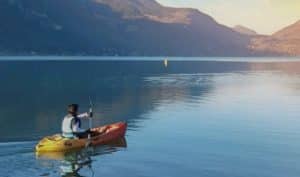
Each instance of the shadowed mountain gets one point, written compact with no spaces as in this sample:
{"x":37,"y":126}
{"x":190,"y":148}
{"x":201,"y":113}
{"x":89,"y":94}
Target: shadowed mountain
{"x":283,"y":42}
{"x":113,"y":27}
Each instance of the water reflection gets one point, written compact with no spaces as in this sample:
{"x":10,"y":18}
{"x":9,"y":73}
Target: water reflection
{"x":71,"y":163}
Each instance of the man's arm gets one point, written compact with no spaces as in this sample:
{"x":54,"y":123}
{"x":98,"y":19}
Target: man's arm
{"x":83,"y":115}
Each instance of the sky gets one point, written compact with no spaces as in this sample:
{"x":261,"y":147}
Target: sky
{"x":263,"y":16}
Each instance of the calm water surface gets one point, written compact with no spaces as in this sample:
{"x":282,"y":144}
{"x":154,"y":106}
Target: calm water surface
{"x":192,"y":118}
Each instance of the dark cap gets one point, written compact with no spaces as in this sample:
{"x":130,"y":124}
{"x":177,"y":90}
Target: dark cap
{"x":73,"y":108}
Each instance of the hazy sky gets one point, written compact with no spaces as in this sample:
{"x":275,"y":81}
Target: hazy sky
{"x":263,"y":16}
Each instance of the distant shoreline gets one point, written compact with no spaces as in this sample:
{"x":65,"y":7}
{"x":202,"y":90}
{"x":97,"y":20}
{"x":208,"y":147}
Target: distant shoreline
{"x":142,"y":58}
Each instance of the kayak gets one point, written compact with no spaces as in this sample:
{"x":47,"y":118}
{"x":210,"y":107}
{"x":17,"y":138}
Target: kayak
{"x":101,"y":136}
{"x":109,"y":147}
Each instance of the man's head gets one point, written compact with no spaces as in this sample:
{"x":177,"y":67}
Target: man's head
{"x":72,"y":109}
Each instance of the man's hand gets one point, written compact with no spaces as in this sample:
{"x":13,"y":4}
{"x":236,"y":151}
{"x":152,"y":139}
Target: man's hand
{"x":91,"y":114}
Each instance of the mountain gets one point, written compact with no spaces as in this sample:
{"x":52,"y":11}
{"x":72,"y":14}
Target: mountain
{"x":290,"y":32}
{"x":244,"y":30}
{"x":113,"y":27}
{"x":284,"y":42}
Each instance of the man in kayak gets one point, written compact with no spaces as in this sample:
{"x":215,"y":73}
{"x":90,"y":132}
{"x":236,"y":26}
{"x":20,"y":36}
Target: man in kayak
{"x":71,"y":125}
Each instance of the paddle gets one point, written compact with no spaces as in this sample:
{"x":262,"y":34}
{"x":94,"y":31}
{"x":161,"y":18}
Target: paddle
{"x":90,"y":121}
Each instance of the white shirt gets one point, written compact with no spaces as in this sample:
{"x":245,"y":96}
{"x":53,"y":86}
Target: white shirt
{"x":69,"y":127}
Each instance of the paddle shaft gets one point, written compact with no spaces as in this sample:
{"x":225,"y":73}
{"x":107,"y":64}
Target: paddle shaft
{"x":90,"y":119}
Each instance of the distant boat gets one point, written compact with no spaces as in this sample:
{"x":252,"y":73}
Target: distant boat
{"x":166,"y":62}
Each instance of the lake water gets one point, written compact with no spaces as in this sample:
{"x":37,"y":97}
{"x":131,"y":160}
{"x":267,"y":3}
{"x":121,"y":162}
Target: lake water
{"x":213,"y":118}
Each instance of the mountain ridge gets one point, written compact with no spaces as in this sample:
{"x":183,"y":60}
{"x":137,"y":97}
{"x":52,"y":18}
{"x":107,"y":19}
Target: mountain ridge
{"x":117,"y":27}
{"x":291,"y":31}
{"x":244,"y":30}
{"x":285,"y":42}
{"x":100,"y":27}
